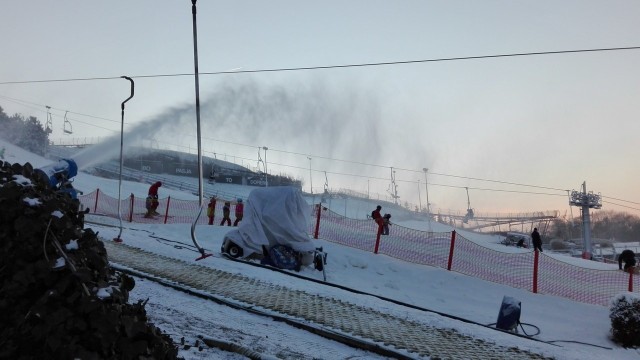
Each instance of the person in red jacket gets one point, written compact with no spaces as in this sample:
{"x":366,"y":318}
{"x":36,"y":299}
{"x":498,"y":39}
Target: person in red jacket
{"x":377,"y":217}
{"x":239,"y":212}
{"x":152,"y":200}
{"x":211,"y":210}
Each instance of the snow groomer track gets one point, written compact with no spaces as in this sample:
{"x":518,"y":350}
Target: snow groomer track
{"x":390,"y":336}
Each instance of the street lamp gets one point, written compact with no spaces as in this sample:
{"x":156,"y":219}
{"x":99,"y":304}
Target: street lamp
{"x":266,"y":180}
{"x":426,"y":188}
{"x":419,"y":197}
{"x":118,"y":238}
{"x":310,"y":178}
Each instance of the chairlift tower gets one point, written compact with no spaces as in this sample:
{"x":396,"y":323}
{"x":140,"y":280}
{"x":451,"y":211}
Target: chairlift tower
{"x":585,"y":201}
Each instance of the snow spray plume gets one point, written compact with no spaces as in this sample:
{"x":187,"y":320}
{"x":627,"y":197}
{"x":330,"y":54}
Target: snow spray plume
{"x":173,"y":121}
{"x":314,"y":117}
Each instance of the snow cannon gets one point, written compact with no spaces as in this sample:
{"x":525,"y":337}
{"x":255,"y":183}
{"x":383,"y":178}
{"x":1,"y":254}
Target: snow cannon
{"x":58,"y":175}
{"x":509,"y":315}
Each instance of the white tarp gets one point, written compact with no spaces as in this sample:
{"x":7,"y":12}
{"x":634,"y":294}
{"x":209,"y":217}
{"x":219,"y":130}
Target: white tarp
{"x":273,"y":216}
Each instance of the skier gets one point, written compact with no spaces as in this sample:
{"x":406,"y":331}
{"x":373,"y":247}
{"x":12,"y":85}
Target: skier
{"x":226,"y":214}
{"x":629,"y":258}
{"x":386,"y":221}
{"x":211,"y":209}
{"x":239,"y":212}
{"x":152,"y":199}
{"x":375,"y":215}
{"x":537,"y":240}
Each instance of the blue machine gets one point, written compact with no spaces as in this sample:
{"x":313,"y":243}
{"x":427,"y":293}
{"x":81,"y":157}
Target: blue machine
{"x":509,"y":315}
{"x":60,"y":175}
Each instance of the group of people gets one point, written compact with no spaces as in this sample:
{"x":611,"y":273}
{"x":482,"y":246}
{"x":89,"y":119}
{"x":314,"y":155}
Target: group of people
{"x":152,"y":204}
{"x":226,"y":212}
{"x":383,"y":221}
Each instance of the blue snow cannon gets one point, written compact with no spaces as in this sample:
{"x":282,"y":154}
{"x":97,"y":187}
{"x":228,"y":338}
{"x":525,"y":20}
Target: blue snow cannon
{"x":59,"y":176}
{"x":509,"y":315}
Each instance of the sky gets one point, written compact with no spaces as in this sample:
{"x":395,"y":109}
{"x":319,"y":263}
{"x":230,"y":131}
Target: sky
{"x":581,"y":330}
{"x":549,"y":122}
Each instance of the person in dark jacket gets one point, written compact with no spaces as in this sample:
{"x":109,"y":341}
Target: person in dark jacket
{"x":226,"y":214}
{"x":629,"y":259}
{"x":536,"y":240}
{"x":386,"y":221}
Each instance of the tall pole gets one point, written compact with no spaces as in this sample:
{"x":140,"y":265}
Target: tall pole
{"x":426,"y":188}
{"x":419,"y":198}
{"x":586,"y":224}
{"x":118,"y":238}
{"x":585,"y":201}
{"x":199,"y":134}
{"x":197,"y":84}
{"x":266,"y":178}
{"x":310,"y":178}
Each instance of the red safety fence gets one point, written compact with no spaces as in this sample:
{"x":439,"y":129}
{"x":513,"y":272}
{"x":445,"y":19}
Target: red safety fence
{"x":531,"y":271}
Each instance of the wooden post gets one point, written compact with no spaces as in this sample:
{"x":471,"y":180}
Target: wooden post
{"x":375,"y":251}
{"x":131,"y":201}
{"x":95,"y":207}
{"x":453,"y":244}
{"x":317,"y":229}
{"x":166,"y":212}
{"x":536,"y":257}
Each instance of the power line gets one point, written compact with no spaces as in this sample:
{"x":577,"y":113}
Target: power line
{"x":326,"y":67}
{"x":340,"y":160}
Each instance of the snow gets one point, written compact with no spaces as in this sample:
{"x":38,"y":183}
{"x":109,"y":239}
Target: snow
{"x":581,"y":331}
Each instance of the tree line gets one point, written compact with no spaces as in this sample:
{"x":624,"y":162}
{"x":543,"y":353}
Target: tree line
{"x":605,"y":224}
{"x":27,"y":133}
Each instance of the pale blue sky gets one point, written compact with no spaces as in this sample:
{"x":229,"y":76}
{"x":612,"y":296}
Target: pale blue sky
{"x":552,"y":121}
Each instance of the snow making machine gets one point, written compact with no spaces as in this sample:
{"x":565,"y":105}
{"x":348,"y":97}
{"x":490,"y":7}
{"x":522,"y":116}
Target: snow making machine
{"x":275,"y":230}
{"x":59,"y":176}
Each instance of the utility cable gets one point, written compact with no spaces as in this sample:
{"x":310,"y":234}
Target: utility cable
{"x":326,"y":67}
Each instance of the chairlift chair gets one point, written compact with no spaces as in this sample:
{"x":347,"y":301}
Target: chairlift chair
{"x":67,"y":128}
{"x":469,"y":214}
{"x":49,"y":124}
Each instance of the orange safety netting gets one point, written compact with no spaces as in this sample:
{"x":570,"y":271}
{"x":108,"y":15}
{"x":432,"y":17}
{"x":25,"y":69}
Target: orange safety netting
{"x":554,"y":277}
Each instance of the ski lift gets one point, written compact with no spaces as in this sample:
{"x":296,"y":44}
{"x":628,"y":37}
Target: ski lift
{"x":469,"y":214}
{"x":49,"y":124}
{"x":67,"y":128}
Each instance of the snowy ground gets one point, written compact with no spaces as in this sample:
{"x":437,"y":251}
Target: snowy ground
{"x":580,"y":330}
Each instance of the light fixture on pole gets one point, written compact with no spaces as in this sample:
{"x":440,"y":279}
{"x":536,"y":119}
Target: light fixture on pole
{"x":419,"y":198}
{"x":198,"y":132}
{"x":310,"y":178}
{"x":426,"y":188}
{"x":266,"y":179}
{"x":118,"y":238}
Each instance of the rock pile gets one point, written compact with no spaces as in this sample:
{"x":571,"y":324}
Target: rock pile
{"x":58,"y":296}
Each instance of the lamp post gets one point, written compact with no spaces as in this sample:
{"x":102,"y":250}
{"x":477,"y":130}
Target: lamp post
{"x":310,"y":178}
{"x":118,"y":238}
{"x":419,"y":198}
{"x":426,"y":188}
{"x":266,"y":179}
{"x":198,"y":131}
